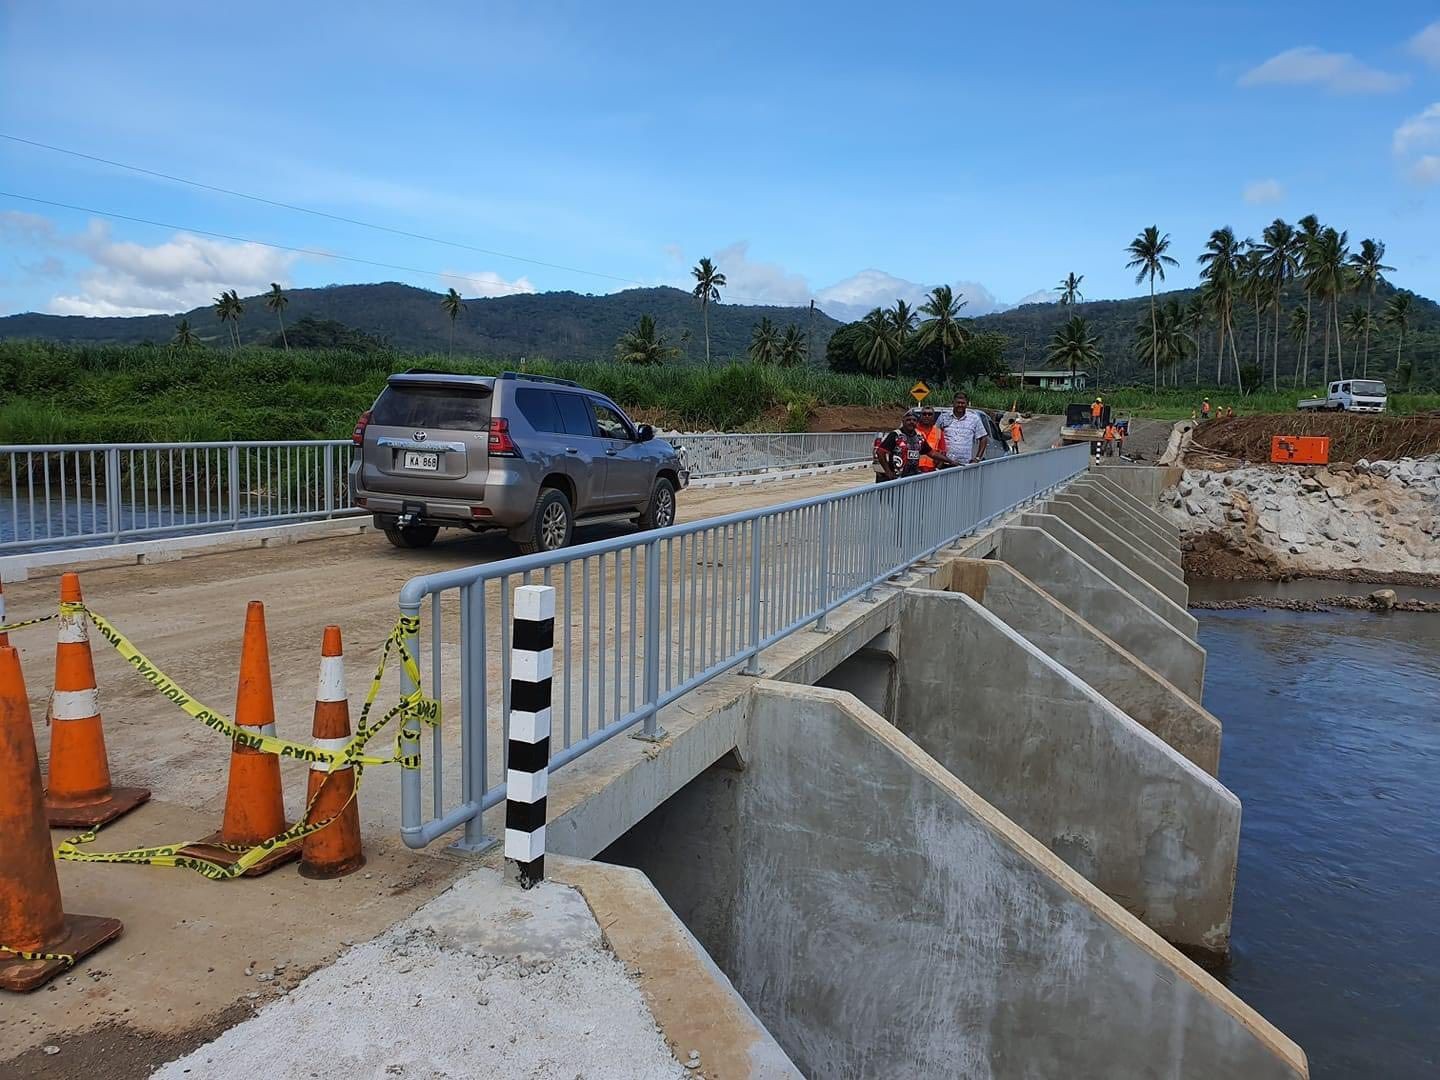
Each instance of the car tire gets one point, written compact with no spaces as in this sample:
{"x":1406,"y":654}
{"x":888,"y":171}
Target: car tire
{"x":412,"y":536}
{"x":659,"y":512}
{"x":550,"y":526}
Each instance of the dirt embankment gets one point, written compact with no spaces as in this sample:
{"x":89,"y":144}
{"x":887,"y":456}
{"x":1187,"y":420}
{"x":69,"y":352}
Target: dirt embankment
{"x":1378,"y":522}
{"x":1353,"y":437}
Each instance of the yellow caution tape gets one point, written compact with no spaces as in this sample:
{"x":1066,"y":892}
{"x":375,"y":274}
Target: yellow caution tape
{"x":24,"y":955}
{"x":412,"y":706}
{"x":7,"y":627}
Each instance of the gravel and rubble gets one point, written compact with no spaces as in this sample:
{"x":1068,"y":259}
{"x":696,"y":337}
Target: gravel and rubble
{"x":1380,"y":518}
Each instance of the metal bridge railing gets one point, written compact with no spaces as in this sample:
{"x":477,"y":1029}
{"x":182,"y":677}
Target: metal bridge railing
{"x":642,"y":620}
{"x":722,"y":455}
{"x":73,"y":495}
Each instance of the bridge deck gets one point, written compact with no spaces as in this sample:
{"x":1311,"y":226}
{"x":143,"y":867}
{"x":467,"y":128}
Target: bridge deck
{"x":187,"y":617}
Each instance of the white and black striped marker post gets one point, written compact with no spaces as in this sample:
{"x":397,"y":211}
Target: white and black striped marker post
{"x":532,"y":661}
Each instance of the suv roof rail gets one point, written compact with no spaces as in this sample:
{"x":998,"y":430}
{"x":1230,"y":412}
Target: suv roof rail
{"x":537,"y":378}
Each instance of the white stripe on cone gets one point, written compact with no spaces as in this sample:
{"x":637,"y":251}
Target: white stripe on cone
{"x":75,"y":704}
{"x":72,"y":630}
{"x":332,"y":679}
{"x":328,"y":744}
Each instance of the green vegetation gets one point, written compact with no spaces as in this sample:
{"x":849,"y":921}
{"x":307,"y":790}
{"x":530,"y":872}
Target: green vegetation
{"x":63,"y":393}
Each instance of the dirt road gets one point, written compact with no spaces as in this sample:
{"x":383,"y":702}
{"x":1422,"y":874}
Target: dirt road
{"x":180,"y":971}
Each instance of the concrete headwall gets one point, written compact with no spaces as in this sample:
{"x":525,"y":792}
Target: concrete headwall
{"x":1144,"y":482}
{"x":1148,"y":512}
{"x":1121,"y":677}
{"x":1107,"y":606}
{"x":1116,"y":802}
{"x":1134,"y":517}
{"x":1131,"y":549}
{"x":883,"y":920}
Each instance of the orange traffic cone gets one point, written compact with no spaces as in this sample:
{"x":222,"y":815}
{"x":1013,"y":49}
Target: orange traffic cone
{"x":333,"y":851}
{"x":32,"y":923}
{"x":78,"y":794}
{"x":254,"y":801}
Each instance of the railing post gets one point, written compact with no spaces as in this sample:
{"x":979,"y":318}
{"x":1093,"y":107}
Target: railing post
{"x":409,"y":742}
{"x":232,"y":470}
{"x":651,"y":731}
{"x":821,"y":625}
{"x":752,"y":666}
{"x":112,"y":493}
{"x":329,"y":479}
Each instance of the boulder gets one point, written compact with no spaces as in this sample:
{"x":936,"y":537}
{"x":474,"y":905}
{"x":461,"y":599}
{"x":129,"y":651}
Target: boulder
{"x":1384,"y":599}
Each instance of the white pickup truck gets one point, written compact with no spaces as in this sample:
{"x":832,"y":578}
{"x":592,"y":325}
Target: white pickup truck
{"x":1350,"y":395}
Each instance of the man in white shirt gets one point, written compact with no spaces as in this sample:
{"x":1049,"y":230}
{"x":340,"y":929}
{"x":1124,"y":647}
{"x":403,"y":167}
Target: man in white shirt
{"x":966,"y":436}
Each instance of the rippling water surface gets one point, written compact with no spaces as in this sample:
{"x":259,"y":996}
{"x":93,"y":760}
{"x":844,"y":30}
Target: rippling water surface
{"x":1332,"y":742}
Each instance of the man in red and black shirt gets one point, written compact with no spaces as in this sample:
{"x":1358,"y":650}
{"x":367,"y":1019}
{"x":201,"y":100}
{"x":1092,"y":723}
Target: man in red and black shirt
{"x":898,"y":453}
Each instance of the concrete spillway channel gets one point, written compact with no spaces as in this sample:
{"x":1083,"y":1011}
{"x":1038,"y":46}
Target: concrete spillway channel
{"x":970,"y":831}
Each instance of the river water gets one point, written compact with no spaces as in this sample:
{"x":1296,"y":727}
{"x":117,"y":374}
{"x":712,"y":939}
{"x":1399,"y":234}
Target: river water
{"x":1332,"y":743}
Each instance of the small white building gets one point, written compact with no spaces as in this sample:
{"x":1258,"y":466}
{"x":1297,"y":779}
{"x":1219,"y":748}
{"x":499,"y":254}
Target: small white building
{"x":1052,"y":379}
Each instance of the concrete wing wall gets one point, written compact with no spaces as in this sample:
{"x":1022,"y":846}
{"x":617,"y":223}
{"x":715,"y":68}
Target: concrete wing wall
{"x":1121,"y":677}
{"x":883,"y":920}
{"x":1102,"y":529}
{"x":1117,"y":803}
{"x":1104,"y":604}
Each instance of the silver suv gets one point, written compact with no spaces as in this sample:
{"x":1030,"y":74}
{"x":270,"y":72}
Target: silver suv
{"x":531,"y":455}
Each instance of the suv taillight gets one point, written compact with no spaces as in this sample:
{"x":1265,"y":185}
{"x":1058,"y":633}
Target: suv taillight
{"x":358,"y":435}
{"x":501,"y":445}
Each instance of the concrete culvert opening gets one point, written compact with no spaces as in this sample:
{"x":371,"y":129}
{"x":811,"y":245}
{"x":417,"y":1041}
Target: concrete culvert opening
{"x":881,"y":919}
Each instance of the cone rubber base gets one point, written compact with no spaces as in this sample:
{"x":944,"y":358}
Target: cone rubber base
{"x":83,"y":935}
{"x":121,"y":801}
{"x":205,"y":849}
{"x":328,"y":872}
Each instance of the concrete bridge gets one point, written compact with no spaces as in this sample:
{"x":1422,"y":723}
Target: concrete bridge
{"x":970,"y":826}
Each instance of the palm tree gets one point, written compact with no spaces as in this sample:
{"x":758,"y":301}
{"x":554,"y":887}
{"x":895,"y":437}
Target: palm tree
{"x":708,"y":283}
{"x":1279,"y":257}
{"x":902,"y":320}
{"x":276,"y":300}
{"x":793,"y":347}
{"x":1073,"y":346}
{"x":879,"y":349}
{"x":1255,"y":284}
{"x":764,"y":342}
{"x":1220,"y":261}
{"x":643,"y":345}
{"x":453,"y":305}
{"x":1148,"y":259}
{"x":1356,"y":326}
{"x":1307,"y":236}
{"x":1326,"y":275}
{"x":1299,"y":334}
{"x":942,"y":325}
{"x":1167,"y":334}
{"x":1069,"y":290}
{"x":229,"y":309}
{"x":184,"y":337}
{"x":1195,"y":315}
{"x":1397,"y":314}
{"x":1369,"y":270}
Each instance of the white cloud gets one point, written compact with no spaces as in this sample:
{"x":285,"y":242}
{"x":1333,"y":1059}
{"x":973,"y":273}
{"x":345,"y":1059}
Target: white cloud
{"x":1426,"y":170}
{"x":767,"y":282}
{"x":126,"y":278}
{"x":1426,"y":44}
{"x":483,"y":284}
{"x":1340,"y":73}
{"x":1419,"y":132}
{"x":20,"y":227}
{"x":1260,"y":192}
{"x":1039,"y":296}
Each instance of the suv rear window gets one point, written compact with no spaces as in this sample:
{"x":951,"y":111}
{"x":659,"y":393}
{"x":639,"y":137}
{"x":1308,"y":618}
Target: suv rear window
{"x":574,"y":414}
{"x":454,"y":407}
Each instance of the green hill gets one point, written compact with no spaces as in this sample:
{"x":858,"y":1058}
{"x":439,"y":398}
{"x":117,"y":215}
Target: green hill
{"x":554,"y":325}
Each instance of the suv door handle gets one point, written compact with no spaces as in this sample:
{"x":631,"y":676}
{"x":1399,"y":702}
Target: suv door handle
{"x":611,"y":453}
{"x":572,"y":449}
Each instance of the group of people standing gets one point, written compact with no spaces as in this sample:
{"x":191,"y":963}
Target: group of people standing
{"x":927,"y":440}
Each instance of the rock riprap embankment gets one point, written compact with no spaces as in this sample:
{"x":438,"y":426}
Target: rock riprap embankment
{"x":1382,"y":516}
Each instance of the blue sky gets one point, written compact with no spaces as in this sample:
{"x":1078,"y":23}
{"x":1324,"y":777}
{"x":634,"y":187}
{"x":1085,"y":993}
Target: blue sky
{"x":836,"y":152}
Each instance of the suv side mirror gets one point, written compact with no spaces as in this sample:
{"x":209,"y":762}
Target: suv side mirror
{"x":644,"y":433}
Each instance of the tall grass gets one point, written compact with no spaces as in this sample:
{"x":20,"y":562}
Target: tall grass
{"x":115,"y":393}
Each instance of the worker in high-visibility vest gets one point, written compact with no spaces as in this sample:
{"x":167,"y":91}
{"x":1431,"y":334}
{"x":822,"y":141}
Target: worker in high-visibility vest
{"x":933,"y":456}
{"x":1095,"y":410}
{"x":1110,"y":436}
{"x":1017,"y":435}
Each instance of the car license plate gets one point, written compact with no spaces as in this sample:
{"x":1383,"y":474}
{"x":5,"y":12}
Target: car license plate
{"x":424,"y":462}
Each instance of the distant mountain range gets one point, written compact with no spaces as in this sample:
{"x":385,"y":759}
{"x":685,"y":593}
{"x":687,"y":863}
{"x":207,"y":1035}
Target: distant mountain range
{"x":576,"y":326}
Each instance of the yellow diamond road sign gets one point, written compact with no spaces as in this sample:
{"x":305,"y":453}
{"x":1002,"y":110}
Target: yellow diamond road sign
{"x":919,"y":391}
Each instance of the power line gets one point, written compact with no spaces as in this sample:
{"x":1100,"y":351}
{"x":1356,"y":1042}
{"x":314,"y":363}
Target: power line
{"x":296,"y":208}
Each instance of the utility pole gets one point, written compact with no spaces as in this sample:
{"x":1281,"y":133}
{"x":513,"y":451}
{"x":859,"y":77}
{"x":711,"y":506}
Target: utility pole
{"x":810,"y":334}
